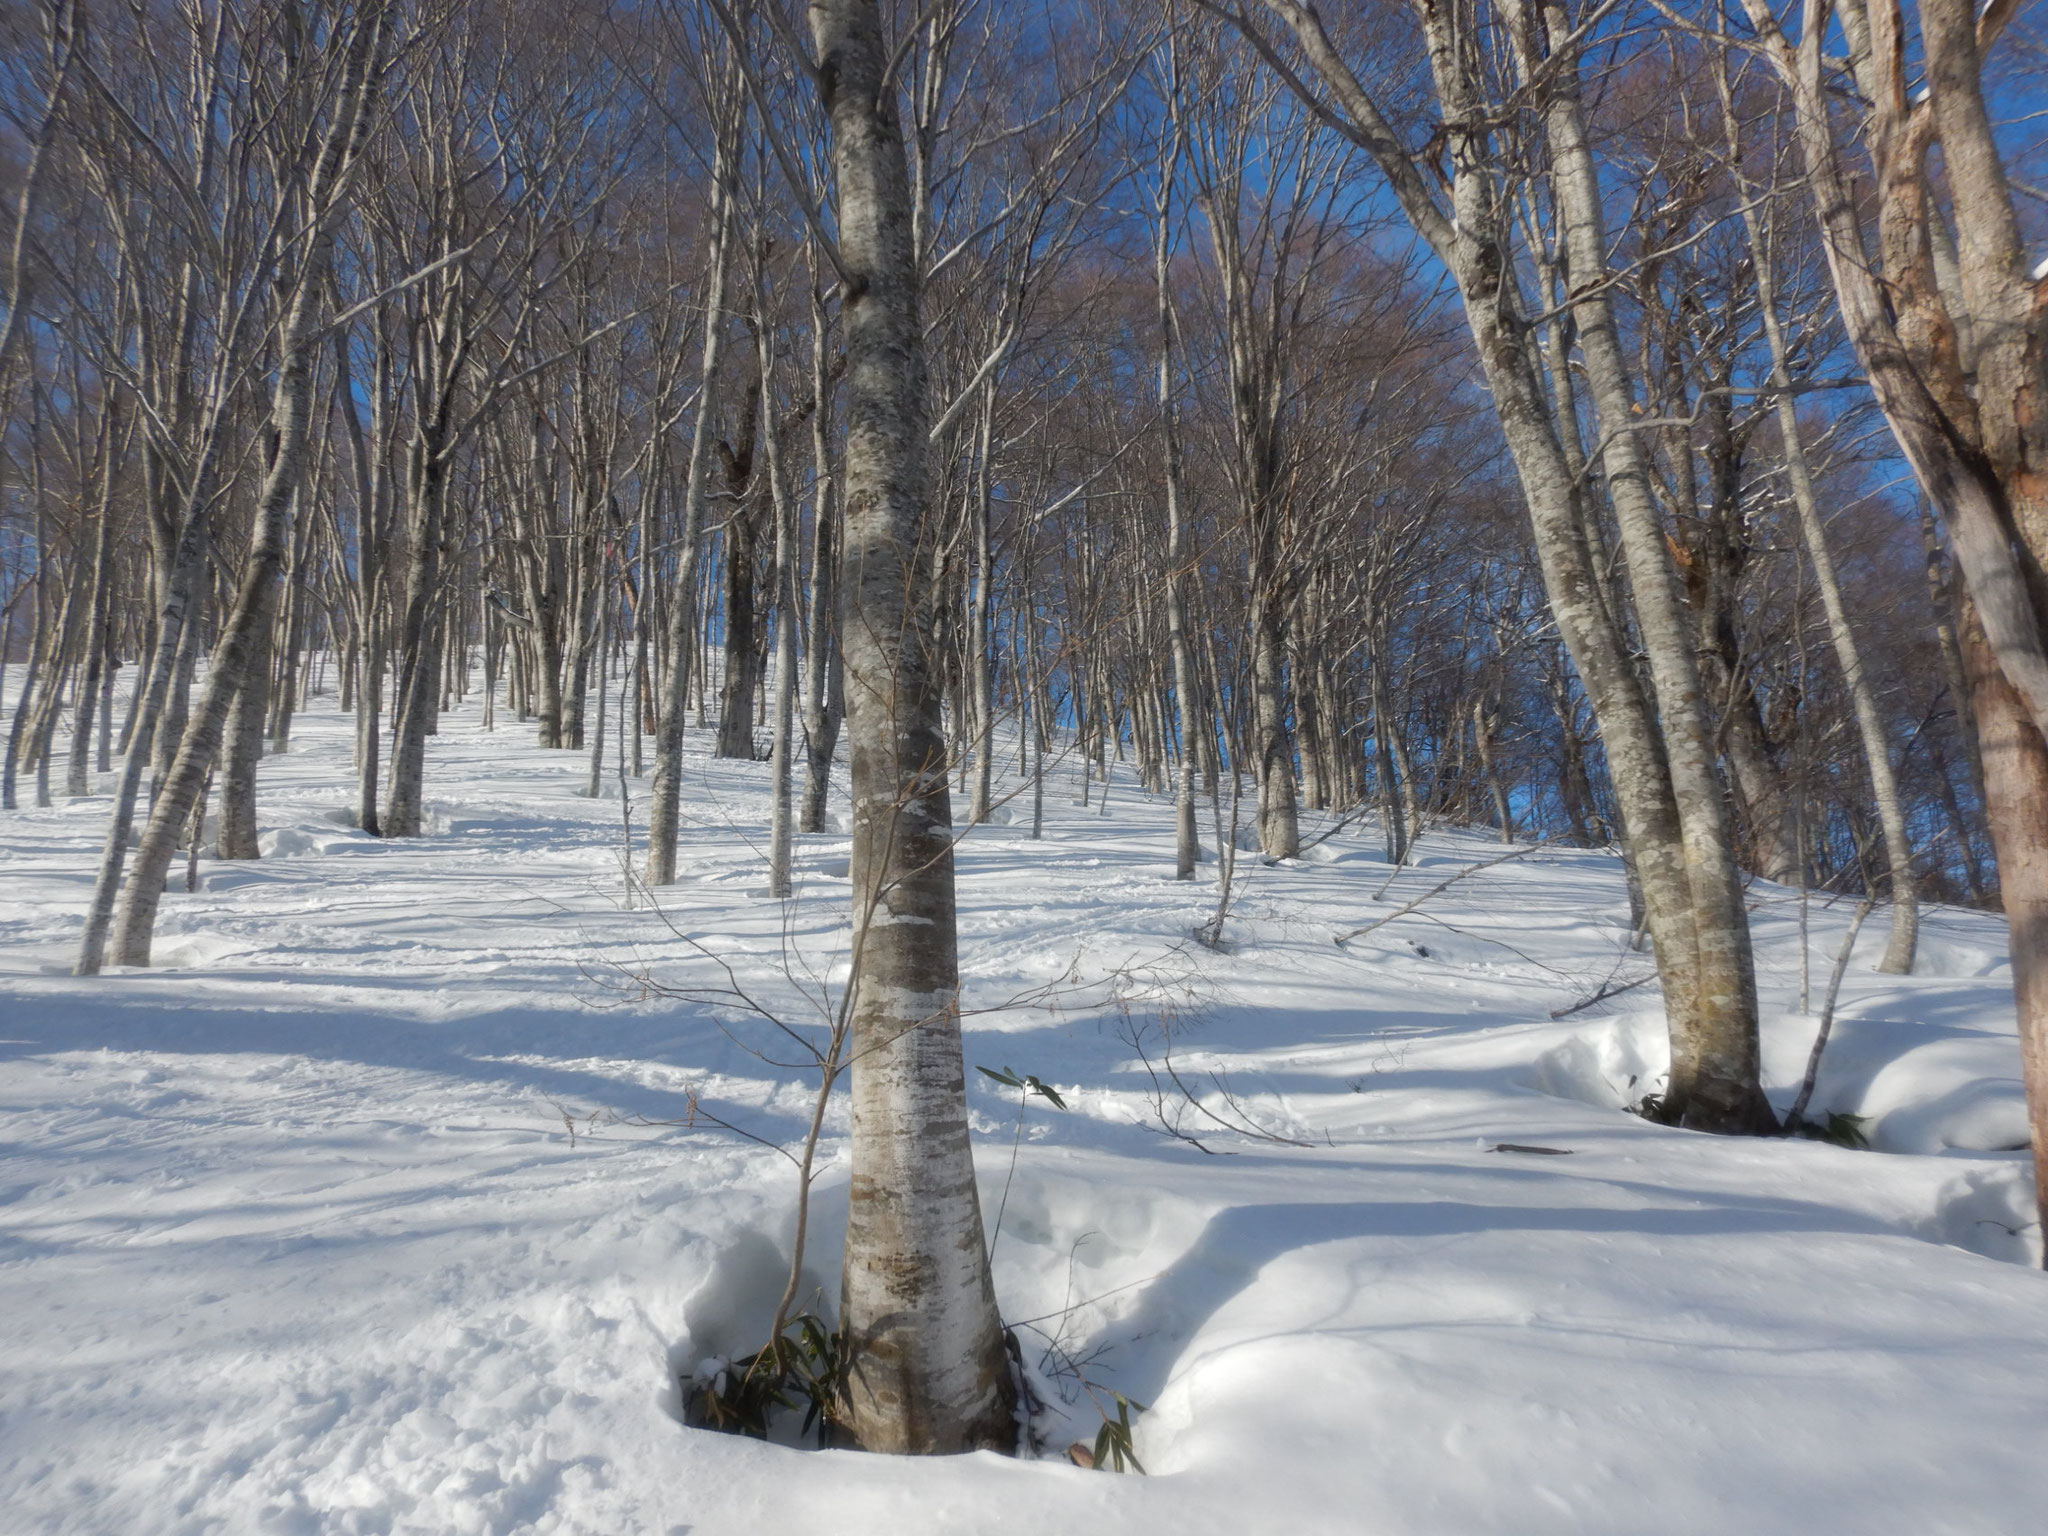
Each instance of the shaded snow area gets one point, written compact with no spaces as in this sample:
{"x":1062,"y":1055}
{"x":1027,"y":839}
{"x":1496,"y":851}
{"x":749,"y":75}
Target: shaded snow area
{"x":359,"y":1212}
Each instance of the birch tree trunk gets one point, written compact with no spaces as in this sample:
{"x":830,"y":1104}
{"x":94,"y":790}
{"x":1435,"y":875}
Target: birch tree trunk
{"x":664,"y":804}
{"x":1954,"y":359}
{"x":980,"y":642}
{"x":1884,"y":783}
{"x":928,"y":1369}
{"x":1187,"y":843}
{"x":780,"y":884}
{"x":824,"y":698}
{"x":1671,"y":808}
{"x":99,"y":642}
{"x":291,"y":414}
{"x":1726,"y":1009}
{"x":242,"y":751}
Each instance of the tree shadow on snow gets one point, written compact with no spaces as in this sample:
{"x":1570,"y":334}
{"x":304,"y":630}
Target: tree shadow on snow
{"x":1147,"y":1342}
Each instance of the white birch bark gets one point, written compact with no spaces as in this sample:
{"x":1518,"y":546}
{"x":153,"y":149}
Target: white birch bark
{"x":1689,"y":890}
{"x":929,"y":1372}
{"x":664,"y":803}
{"x":290,"y":417}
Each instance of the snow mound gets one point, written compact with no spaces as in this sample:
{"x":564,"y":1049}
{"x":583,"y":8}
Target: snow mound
{"x":1612,"y":1065}
{"x":1989,"y":1211}
{"x":1939,"y":1097}
{"x":312,"y":837}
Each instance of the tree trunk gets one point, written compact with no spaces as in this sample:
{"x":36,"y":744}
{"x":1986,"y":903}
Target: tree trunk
{"x":1884,"y":784}
{"x":1279,"y":824}
{"x":780,"y":884}
{"x":99,"y":640}
{"x":928,"y":1373}
{"x":249,"y":620}
{"x":665,"y":798}
{"x":2016,"y":784}
{"x":417,"y":685}
{"x":180,"y":576}
{"x":980,"y":642}
{"x":824,"y":698}
{"x":1724,"y":1023}
{"x":241,"y":752}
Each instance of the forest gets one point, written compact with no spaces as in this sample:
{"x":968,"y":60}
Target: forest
{"x":771,"y":553}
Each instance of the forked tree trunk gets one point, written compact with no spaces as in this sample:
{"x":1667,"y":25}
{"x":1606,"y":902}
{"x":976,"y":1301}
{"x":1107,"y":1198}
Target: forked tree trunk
{"x":928,"y":1369}
{"x":152,"y":690}
{"x":1663,"y":779}
{"x":249,"y":620}
{"x":1725,"y":1006}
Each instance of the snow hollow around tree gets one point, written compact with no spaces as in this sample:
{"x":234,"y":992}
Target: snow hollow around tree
{"x":358,"y":1213}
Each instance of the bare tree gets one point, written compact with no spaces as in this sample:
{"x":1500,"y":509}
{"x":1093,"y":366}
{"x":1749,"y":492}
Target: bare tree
{"x":1950,"y":325}
{"x":928,"y":1372}
{"x":1660,"y":759}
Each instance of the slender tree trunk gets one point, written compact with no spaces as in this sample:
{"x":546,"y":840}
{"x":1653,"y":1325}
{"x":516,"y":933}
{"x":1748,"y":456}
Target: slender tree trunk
{"x":99,"y":633}
{"x":181,"y":576}
{"x":249,"y":621}
{"x":1884,"y":784}
{"x":110,"y":667}
{"x":824,"y":697}
{"x":780,"y":884}
{"x":980,"y":641}
{"x":664,"y":803}
{"x":1187,"y":844}
{"x":603,"y":658}
{"x":241,"y":752}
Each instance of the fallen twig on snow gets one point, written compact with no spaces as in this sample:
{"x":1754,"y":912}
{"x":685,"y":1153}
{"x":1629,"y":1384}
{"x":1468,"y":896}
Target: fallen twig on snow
{"x":1610,"y":989}
{"x":1439,"y":888}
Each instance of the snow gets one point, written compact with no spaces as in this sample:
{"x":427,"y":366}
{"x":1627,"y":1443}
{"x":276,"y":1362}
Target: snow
{"x":366,"y":1210}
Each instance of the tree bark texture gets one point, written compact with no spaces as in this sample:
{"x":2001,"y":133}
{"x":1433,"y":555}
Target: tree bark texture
{"x":929,"y":1373}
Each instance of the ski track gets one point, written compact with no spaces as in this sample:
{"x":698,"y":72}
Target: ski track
{"x":369,"y":1209}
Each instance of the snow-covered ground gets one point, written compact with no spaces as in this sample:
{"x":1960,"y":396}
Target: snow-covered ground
{"x":357,"y":1214}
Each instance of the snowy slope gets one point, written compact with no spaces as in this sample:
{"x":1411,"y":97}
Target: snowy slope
{"x":351,"y":1216}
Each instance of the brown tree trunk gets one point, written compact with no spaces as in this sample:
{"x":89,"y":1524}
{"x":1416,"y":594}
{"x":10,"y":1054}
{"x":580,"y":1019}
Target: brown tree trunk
{"x":2016,"y":788}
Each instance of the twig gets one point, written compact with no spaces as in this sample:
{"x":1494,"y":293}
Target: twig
{"x":1605,"y":992}
{"x":1440,"y":887}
